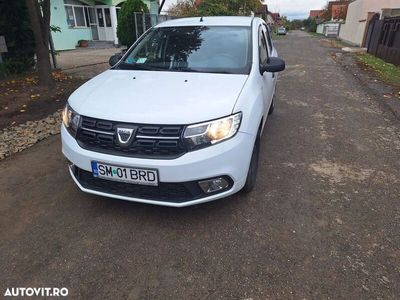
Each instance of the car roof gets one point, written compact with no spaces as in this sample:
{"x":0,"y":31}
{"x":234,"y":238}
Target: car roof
{"x":208,"y":21}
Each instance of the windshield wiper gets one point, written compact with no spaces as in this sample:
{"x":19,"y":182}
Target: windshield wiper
{"x":186,"y":70}
{"x":201,"y":71}
{"x":136,"y":66}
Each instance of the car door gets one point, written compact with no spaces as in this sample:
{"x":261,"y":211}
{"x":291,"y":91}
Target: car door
{"x":267,"y":78}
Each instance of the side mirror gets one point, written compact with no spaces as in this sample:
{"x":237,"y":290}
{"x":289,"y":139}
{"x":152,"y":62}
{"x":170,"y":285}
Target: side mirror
{"x":275,"y":64}
{"x":114,"y":59}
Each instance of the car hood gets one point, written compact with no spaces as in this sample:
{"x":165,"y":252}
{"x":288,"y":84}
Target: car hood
{"x":155,"y":97}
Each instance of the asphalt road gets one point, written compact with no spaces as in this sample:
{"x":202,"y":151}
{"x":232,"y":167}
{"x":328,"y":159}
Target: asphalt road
{"x":322,"y":223}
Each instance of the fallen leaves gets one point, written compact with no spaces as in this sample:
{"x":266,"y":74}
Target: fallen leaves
{"x":35,"y":96}
{"x":17,"y":138}
{"x":21,"y":95}
{"x":59,"y":76}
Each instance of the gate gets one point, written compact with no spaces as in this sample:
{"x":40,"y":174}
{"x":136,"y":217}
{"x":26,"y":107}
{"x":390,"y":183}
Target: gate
{"x":383,"y":39}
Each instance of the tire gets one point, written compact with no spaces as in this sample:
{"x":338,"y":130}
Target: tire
{"x":253,"y":168}
{"x":272,"y":107}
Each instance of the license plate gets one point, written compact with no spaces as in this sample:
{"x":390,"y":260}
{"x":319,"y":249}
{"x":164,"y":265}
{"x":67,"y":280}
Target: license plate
{"x":124,"y":174}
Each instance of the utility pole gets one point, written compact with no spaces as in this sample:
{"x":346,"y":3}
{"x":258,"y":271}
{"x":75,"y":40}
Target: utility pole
{"x":161,"y":6}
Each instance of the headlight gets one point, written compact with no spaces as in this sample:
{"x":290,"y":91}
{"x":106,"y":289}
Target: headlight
{"x":71,"y":120}
{"x":209,"y":133}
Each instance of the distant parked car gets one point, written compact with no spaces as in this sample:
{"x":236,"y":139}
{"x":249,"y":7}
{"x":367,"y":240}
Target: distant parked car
{"x":281,"y":31}
{"x":302,"y":28}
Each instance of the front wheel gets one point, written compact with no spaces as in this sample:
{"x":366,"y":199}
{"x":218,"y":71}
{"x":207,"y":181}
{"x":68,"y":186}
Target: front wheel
{"x":253,"y":168}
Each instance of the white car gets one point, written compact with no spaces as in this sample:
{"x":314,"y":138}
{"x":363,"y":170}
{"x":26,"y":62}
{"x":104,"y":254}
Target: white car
{"x":178,"y":118}
{"x":281,"y":31}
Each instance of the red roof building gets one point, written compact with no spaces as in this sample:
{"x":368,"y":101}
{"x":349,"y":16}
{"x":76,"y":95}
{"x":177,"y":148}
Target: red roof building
{"x":316,"y":13}
{"x":277,"y":18}
{"x":338,"y":9}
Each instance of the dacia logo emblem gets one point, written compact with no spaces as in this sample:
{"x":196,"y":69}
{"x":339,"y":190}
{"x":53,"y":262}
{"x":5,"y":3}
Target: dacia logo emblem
{"x":125,"y":135}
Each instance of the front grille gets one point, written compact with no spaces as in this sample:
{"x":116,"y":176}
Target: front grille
{"x":165,"y":192}
{"x":150,"y":141}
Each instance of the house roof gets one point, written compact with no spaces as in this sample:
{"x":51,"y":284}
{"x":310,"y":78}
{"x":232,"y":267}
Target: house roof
{"x":275,"y":16}
{"x":315,"y":13}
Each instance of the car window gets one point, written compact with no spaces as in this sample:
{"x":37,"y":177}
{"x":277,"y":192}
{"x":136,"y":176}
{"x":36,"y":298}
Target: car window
{"x":262,"y":48}
{"x":269,"y":40}
{"x":215,"y":49}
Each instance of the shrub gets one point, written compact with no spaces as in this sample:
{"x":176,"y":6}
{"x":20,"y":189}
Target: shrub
{"x":126,"y":30}
{"x":15,"y":26}
{"x":310,"y":25}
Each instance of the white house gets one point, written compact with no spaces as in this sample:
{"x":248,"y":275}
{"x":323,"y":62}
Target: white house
{"x":358,"y":15}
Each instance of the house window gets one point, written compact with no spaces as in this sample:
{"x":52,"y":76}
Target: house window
{"x":70,"y":16}
{"x":100,"y":17}
{"x":107,"y":17}
{"x":91,"y":14}
{"x":76,"y":13}
{"x":79,"y":16}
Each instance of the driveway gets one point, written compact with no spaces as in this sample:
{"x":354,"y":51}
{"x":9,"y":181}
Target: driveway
{"x":322,"y":223}
{"x":85,"y":62}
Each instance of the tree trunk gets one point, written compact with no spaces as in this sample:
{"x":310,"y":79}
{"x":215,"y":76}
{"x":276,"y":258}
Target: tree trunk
{"x":40,"y":20}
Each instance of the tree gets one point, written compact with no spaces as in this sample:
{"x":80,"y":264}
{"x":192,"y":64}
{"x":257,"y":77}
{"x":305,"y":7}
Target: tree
{"x":183,"y":8}
{"x":310,"y":25}
{"x":16,"y":27}
{"x":187,"y":8}
{"x":213,"y":8}
{"x":285,"y":22}
{"x":241,"y":7}
{"x":296,"y":24}
{"x":327,"y":12}
{"x":39,"y":13}
{"x":126,"y":29}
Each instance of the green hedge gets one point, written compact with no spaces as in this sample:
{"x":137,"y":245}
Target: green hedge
{"x":126,"y":29}
{"x":15,"y":26}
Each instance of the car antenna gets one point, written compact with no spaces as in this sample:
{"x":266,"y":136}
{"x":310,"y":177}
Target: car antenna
{"x":201,"y":19}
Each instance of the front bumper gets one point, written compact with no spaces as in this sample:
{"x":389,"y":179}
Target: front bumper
{"x":230,"y":158}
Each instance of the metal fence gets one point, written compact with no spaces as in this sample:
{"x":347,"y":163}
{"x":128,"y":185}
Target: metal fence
{"x":383,"y":39}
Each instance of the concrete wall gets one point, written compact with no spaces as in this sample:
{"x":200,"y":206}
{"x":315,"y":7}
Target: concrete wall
{"x":320,"y":28}
{"x":353,"y":30}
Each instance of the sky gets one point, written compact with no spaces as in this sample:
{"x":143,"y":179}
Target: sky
{"x":293,"y":9}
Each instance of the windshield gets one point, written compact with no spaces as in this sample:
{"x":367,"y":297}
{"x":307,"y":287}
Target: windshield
{"x":213,"y":49}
